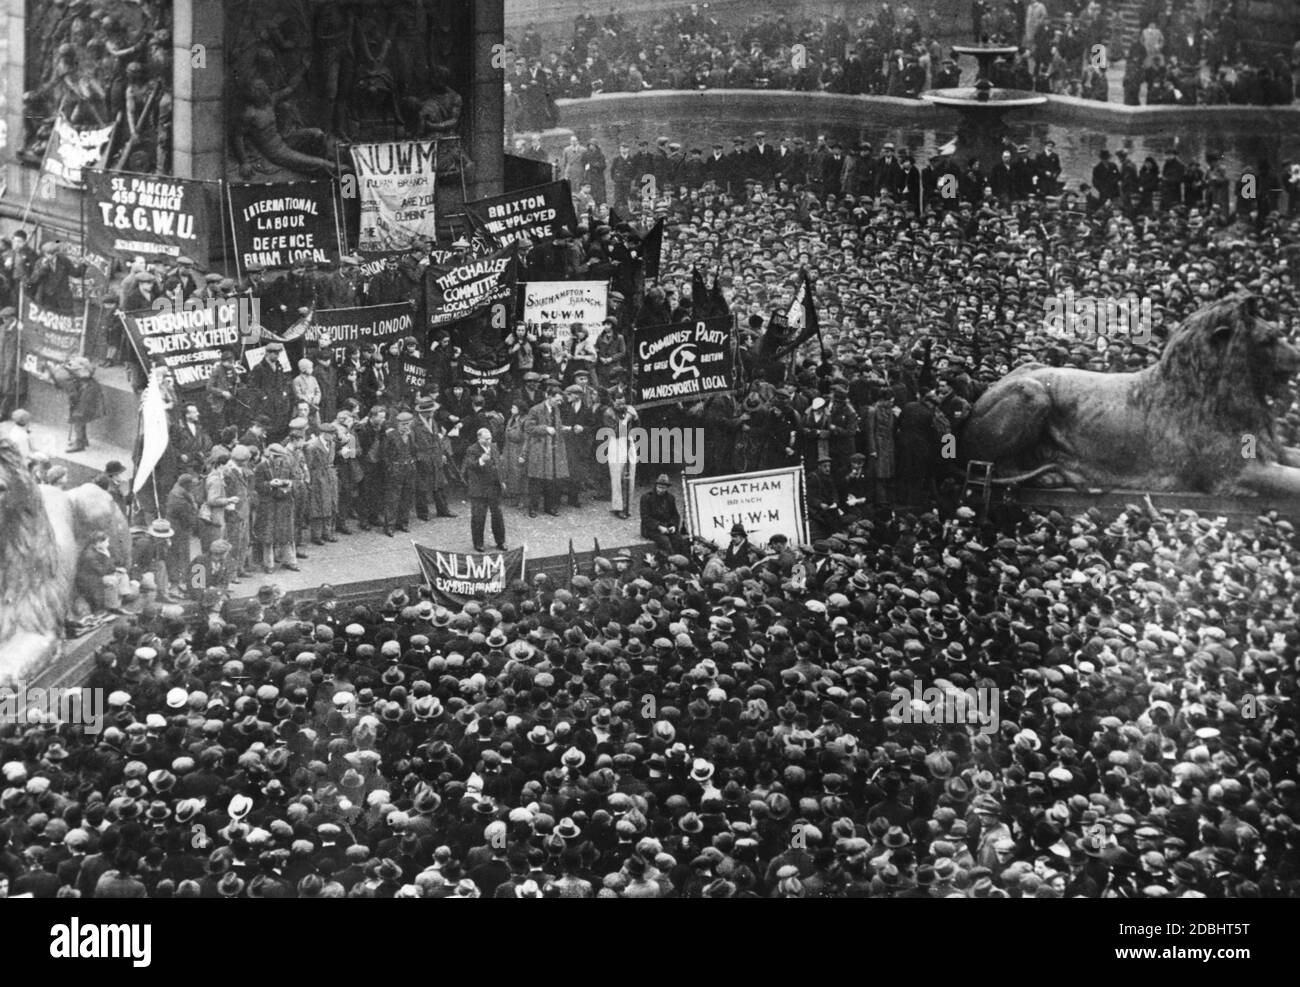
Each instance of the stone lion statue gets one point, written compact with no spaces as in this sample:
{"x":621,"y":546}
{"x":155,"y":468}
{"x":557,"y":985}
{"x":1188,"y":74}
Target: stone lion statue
{"x":1199,"y":420}
{"x":42,"y":532}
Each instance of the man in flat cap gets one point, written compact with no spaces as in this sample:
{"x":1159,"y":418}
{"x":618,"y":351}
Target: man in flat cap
{"x":398,"y":453}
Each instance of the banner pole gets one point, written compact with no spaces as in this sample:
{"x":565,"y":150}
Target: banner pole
{"x":18,"y":341}
{"x":336,"y":194}
{"x":225,"y":244}
{"x":40,"y":178}
{"x":234,"y":238}
{"x":340,"y":217}
{"x":85,"y":322}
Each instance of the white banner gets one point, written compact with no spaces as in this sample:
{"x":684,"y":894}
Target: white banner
{"x":554,"y":306}
{"x":154,"y":433}
{"x":767,"y":503}
{"x":71,"y":150}
{"x":396,"y":184}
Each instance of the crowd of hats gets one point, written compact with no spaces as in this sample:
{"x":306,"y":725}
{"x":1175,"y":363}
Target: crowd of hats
{"x":734,"y":48}
{"x":684,"y":730}
{"x":979,"y":280}
{"x":731,"y":48}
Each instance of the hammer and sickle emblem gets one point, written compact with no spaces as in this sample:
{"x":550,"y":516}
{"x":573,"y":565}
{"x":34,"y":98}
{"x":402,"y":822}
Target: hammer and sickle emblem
{"x":681,"y":361}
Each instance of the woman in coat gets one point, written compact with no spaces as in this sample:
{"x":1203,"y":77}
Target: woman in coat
{"x":322,"y":488}
{"x":878,"y":432}
{"x":593,"y":162}
{"x":548,"y":461}
{"x":513,"y":452}
{"x":274,"y":529}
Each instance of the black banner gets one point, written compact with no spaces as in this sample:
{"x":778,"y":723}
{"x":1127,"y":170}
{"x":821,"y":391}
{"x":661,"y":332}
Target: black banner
{"x":188,"y":341}
{"x":280,"y":225}
{"x":476,"y":374}
{"x":457,"y":577}
{"x":459,"y":284}
{"x":538,"y":213}
{"x":682,"y":362}
{"x":50,"y":338}
{"x":364,"y":326}
{"x":96,"y":271}
{"x":415,"y":375}
{"x":151,"y":217}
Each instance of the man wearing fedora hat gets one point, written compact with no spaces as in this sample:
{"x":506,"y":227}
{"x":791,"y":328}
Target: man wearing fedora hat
{"x":430,"y":459}
{"x":150,"y":557}
{"x":739,"y":552}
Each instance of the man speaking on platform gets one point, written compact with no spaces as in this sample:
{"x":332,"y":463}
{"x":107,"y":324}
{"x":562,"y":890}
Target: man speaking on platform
{"x":481,"y":469}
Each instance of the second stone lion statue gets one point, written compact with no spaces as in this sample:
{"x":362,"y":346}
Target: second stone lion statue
{"x":1201,"y":419}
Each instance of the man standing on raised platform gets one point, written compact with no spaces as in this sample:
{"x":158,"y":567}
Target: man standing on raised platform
{"x":484,"y":486}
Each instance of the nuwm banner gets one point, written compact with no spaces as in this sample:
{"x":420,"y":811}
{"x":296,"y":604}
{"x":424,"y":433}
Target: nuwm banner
{"x":458,"y":577}
{"x":553,"y":307}
{"x":767,"y":503}
{"x":396,"y":184}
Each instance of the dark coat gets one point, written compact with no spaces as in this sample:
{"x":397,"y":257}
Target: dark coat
{"x":85,"y":400}
{"x":275,"y":521}
{"x":547,"y":455}
{"x":482,"y":480}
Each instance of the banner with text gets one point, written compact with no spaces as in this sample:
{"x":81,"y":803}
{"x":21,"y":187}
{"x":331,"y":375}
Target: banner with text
{"x":71,"y":151}
{"x":767,"y":503}
{"x":484,"y":374}
{"x":396,"y":184}
{"x":281,"y":225}
{"x":460,"y":284}
{"x":415,"y":375}
{"x":189,"y":341}
{"x":365,"y":326}
{"x":539,"y":213}
{"x":50,"y":338}
{"x":158,"y":219}
{"x":95,"y":271}
{"x":458,"y":577}
{"x":551,"y":308}
{"x":685,"y":361}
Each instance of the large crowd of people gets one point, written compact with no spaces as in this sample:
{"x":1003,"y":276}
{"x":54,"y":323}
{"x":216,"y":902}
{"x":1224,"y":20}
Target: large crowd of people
{"x":686,"y":729}
{"x":1186,"y":53}
{"x":690,"y":719}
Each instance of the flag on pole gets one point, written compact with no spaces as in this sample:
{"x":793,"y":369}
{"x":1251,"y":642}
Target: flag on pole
{"x":481,"y":239}
{"x":699,"y":295}
{"x":573,"y":562}
{"x":652,"y":248}
{"x":802,"y":317}
{"x":153,"y":434}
